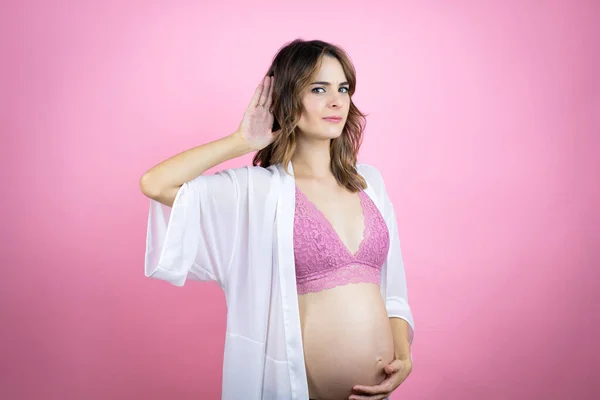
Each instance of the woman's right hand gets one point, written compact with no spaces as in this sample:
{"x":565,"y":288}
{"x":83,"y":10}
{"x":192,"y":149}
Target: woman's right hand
{"x":257,"y":123}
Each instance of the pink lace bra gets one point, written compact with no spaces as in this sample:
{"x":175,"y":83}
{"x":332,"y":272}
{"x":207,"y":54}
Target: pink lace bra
{"x":323,"y":261}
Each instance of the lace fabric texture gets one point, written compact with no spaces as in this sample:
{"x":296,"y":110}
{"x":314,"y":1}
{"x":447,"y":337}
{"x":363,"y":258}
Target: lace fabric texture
{"x":323,"y":261}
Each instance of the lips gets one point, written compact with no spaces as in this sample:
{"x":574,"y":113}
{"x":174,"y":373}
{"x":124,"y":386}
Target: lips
{"x":333,"y":118}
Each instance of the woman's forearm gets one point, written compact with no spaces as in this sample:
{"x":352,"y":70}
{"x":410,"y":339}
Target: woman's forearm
{"x":162,"y":181}
{"x":401,"y":341}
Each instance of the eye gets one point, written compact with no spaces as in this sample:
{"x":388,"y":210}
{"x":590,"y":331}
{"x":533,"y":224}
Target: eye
{"x":347,"y":89}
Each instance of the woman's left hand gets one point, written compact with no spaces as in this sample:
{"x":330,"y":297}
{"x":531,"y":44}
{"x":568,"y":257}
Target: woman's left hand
{"x":397,"y":371}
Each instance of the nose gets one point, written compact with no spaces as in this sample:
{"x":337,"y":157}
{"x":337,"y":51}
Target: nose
{"x":335,"y":100}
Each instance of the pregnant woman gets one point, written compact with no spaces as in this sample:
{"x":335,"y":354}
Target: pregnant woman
{"x":304,"y":242}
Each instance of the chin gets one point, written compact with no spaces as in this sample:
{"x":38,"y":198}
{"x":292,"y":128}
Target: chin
{"x":336,"y":134}
{"x":331,"y":133}
{"x":327,"y":136}
{"x":324,"y":133}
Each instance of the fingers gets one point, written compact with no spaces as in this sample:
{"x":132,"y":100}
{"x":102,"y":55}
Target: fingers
{"x":383,"y":387}
{"x":377,"y":397}
{"x":270,"y":94}
{"x":265,"y":91}
{"x":257,"y":93}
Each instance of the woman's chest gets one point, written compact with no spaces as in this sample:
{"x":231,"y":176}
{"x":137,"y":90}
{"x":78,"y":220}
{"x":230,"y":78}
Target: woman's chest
{"x":340,"y":214}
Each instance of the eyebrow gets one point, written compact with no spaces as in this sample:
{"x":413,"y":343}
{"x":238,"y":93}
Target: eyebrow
{"x":328,"y":84}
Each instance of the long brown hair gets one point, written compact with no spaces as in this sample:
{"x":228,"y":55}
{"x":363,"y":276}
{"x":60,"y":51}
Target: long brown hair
{"x":293,"y":67}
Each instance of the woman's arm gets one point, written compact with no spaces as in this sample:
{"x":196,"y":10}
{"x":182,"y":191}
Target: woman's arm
{"x":398,"y":308}
{"x":162,"y":182}
{"x":401,"y":339}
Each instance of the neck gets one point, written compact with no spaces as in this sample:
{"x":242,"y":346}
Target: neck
{"x":312,"y":159}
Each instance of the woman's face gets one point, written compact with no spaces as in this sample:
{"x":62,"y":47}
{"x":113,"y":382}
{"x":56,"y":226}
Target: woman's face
{"x":327,"y":96}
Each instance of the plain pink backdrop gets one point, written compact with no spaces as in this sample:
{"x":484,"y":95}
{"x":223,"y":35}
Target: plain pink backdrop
{"x":484,"y":120}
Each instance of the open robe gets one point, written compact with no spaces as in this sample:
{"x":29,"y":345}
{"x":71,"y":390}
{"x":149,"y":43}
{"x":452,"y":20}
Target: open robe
{"x":235,"y":227}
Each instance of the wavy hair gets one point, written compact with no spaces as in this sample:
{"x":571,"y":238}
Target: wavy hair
{"x":294,"y":66}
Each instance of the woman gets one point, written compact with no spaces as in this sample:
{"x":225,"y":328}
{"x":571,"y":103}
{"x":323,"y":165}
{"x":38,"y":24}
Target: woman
{"x":304,"y":242}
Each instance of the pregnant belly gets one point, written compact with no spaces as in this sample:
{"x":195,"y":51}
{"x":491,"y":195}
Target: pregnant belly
{"x":347,"y":339}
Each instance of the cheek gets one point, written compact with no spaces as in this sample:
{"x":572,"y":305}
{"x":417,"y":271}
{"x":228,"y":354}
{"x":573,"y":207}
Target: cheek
{"x":314,"y":109}
{"x":310,"y":113}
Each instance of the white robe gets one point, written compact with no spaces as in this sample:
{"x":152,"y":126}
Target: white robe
{"x":235,"y":227}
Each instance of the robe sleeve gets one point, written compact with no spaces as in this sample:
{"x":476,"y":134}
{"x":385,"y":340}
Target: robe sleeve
{"x":397,"y":291}
{"x":197,"y":237}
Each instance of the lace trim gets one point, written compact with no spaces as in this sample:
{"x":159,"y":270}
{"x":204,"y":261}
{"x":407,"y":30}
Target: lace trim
{"x":353,"y":273}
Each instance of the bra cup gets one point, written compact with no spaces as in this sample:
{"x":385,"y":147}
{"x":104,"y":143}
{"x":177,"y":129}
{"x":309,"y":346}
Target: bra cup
{"x":321,"y":255}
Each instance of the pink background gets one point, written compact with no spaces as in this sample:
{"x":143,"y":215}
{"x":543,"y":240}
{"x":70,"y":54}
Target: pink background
{"x":484,"y":119}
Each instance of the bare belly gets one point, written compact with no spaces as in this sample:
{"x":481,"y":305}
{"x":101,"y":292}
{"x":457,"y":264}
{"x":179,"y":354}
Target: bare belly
{"x":347,"y":339}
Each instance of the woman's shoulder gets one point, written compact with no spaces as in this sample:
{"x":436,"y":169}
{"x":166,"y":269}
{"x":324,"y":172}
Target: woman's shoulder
{"x":254,"y":178}
{"x":376,"y":182}
{"x":252,"y":172}
{"x":370,"y":173}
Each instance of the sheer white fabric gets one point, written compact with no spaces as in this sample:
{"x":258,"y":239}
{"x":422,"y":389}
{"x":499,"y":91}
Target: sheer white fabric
{"x":235,"y":228}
